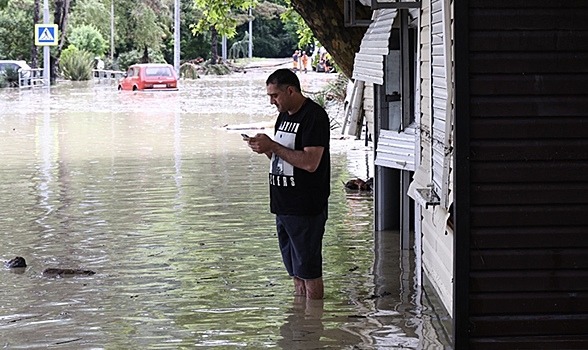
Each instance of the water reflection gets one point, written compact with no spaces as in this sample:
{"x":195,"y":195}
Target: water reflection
{"x":303,"y":328}
{"x":171,"y":210}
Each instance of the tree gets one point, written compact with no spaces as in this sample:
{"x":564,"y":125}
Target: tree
{"x":60,"y":17}
{"x":271,"y":37}
{"x":92,"y":12}
{"x":36,"y":19}
{"x":16,"y":30}
{"x":87,"y":37}
{"x":192,"y":45}
{"x":143,"y":25}
{"x":296,"y":23}
{"x":326,"y":20}
{"x":218,"y":17}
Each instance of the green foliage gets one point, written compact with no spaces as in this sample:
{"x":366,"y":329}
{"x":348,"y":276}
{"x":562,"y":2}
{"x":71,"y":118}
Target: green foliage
{"x":9,"y":78}
{"x":142,"y":24}
{"x":294,"y":22}
{"x":335,"y":90}
{"x":320,"y":99}
{"x":216,"y":69}
{"x":192,"y":45}
{"x":147,"y":26}
{"x":91,"y":12}
{"x":270,"y":39}
{"x":193,"y":70}
{"x":220,"y":14}
{"x":135,"y":56}
{"x":16,"y":30}
{"x":76,"y":64}
{"x":71,"y":50}
{"x":87,"y":38}
{"x":189,"y":70}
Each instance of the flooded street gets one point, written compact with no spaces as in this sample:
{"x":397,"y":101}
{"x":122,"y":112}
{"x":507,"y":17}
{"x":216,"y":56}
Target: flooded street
{"x":158,"y":194}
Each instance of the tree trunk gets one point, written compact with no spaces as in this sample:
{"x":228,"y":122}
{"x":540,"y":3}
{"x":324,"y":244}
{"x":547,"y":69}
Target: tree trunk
{"x":326,"y":20}
{"x":60,"y":18}
{"x":145,"y":58}
{"x":214,"y":45}
{"x":34,"y":49}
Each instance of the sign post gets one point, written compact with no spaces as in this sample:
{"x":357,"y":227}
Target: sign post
{"x":46,"y":36}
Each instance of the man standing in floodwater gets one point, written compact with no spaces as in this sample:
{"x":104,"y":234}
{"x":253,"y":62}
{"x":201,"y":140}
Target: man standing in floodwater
{"x":299,"y":179}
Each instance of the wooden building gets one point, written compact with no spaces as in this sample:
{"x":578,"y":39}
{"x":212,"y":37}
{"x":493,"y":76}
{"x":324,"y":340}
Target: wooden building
{"x":481,"y":131}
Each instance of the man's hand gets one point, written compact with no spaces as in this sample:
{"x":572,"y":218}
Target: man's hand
{"x":260,"y":143}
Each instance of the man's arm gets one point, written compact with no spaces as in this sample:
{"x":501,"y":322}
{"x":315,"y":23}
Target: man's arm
{"x":307,"y":159}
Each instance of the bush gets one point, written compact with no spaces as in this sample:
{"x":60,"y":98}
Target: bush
{"x":9,"y":78}
{"x":3,"y":82}
{"x":189,"y":70}
{"x":69,"y":51}
{"x":76,"y":64}
{"x":210,"y":68}
{"x":88,"y":38}
{"x":337,"y":89}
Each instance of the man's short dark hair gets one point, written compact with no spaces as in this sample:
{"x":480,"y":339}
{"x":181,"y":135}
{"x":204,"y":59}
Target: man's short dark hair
{"x":283,"y":78}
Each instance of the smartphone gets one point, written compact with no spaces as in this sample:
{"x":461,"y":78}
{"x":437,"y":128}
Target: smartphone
{"x":245,"y":137}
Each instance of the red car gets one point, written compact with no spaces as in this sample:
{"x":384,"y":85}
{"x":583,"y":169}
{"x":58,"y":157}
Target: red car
{"x":149,"y":77}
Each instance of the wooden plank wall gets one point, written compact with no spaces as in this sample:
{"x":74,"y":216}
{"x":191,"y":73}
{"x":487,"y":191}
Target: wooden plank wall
{"x":528,"y":69}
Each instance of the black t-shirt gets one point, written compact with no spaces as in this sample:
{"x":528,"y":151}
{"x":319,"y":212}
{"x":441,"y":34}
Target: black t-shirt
{"x":295,"y":191}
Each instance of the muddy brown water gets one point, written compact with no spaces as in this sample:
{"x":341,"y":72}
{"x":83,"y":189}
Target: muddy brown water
{"x":168,"y":206}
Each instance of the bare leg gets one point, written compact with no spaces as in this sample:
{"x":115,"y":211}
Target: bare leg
{"x":314,"y":288}
{"x":299,"y":286}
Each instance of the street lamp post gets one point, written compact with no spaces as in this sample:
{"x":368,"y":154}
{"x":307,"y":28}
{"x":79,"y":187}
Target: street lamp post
{"x":250,"y":34}
{"x":46,"y":52}
{"x":111,"y":31}
{"x":177,"y":36}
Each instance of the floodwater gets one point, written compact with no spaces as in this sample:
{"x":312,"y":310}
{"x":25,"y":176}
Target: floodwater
{"x":158,"y":194}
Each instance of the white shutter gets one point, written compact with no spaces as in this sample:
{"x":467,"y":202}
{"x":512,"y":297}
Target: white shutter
{"x":397,"y":149}
{"x":369,"y":61}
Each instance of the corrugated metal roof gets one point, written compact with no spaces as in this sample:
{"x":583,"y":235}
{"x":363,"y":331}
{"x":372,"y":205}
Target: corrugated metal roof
{"x":369,"y":61}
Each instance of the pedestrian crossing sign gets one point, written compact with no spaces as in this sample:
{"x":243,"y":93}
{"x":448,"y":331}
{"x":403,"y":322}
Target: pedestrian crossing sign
{"x":46,"y":34}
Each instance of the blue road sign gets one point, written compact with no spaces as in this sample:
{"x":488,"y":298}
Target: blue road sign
{"x":46,"y":34}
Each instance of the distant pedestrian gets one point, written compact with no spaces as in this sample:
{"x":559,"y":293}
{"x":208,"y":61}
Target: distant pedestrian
{"x":98,"y":66}
{"x":324,"y":60}
{"x":295,"y":58}
{"x":304,"y":60}
{"x":98,"y":63}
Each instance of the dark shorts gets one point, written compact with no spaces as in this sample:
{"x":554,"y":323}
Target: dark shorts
{"x":301,"y":243}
